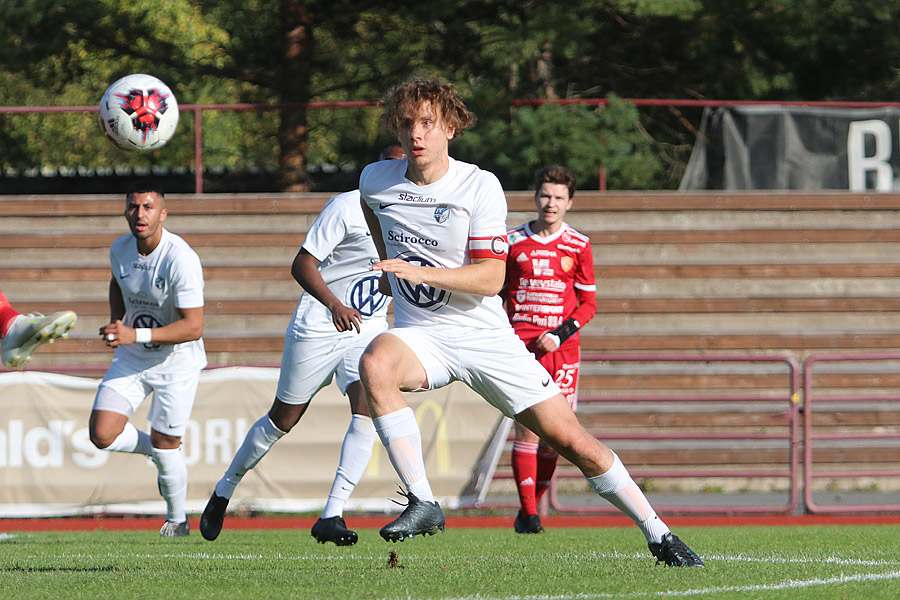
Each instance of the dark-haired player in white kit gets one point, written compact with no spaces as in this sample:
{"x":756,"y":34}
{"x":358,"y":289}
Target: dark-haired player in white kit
{"x":440,"y":228}
{"x":339,"y":313}
{"x":156,"y":324}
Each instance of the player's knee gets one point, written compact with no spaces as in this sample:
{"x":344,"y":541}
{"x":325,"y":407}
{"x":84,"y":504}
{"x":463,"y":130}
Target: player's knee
{"x":374,"y":368}
{"x":102,"y":440}
{"x":284,"y":416}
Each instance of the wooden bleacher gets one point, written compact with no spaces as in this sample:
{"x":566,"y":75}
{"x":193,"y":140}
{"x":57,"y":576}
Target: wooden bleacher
{"x":757,"y":273}
{"x":702,"y":271}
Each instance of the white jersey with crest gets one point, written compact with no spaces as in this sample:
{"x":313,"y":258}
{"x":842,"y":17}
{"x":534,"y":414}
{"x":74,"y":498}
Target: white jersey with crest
{"x":153,"y":286}
{"x":443,"y":224}
{"x":340,"y":239}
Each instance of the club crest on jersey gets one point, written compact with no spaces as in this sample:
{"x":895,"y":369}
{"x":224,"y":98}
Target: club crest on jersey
{"x":421,"y":295}
{"x":364,"y":296}
{"x":441,"y":214}
{"x":566,"y":262}
{"x":160,"y":283}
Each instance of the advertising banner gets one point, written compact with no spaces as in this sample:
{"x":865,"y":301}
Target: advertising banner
{"x":48,"y":465}
{"x":796,"y":148}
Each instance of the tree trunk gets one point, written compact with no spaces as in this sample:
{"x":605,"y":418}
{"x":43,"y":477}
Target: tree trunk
{"x":295,"y":87}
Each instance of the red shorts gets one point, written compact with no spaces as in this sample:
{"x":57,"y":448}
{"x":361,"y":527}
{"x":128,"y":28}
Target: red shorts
{"x":563,"y":366}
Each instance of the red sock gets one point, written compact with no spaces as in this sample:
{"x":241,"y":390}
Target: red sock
{"x":7,"y":314}
{"x":524,"y":466}
{"x":546,"y":466}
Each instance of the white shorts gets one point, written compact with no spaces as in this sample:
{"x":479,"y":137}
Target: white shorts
{"x":308,"y":365}
{"x":493,"y":362}
{"x":173,"y":395}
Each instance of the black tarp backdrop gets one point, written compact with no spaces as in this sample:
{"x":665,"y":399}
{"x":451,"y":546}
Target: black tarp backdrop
{"x":796,"y":148}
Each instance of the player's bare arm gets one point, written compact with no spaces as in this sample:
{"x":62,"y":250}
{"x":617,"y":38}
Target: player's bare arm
{"x":116,"y":311}
{"x":116,"y":303}
{"x":186,"y":329}
{"x":384,"y":287}
{"x":484,"y":276}
{"x":305,"y":272}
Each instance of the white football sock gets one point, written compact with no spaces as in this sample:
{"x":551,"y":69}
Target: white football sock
{"x":400,"y":435}
{"x":258,"y":441}
{"x":172,"y":478}
{"x":617,"y":486}
{"x":355,"y":454}
{"x":132,"y":440}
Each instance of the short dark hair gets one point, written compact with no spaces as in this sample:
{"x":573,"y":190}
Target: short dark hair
{"x":555,"y":174}
{"x":409,"y":95}
{"x":386,"y":151}
{"x":145,"y":187}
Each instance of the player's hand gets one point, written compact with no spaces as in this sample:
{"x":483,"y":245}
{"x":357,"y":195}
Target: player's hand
{"x":116,"y":334}
{"x":547,"y":342}
{"x":345,"y":318}
{"x":401,"y":269}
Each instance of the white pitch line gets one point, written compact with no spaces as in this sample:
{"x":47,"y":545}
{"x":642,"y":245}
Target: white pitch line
{"x":835,"y":560}
{"x":787,"y":585}
{"x":831,"y":560}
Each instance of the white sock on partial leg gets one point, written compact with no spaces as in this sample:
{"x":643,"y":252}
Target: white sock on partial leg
{"x":355,"y":454}
{"x":132,"y":440}
{"x":617,"y":487}
{"x":172,"y":480}
{"x":258,"y":441}
{"x":402,"y":439}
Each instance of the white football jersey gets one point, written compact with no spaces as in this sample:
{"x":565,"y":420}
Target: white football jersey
{"x":340,"y":239}
{"x":153,"y":286}
{"x":442,"y":224}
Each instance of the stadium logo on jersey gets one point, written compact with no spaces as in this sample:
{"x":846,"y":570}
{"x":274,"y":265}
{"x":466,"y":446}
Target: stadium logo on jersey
{"x":145,"y":320}
{"x":364,"y":295}
{"x":441,"y":214}
{"x":566,"y":262}
{"x":404,"y":197}
{"x":421,"y":295}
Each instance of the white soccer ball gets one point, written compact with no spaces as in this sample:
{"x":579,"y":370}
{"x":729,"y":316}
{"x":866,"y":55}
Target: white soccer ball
{"x":138,"y":112}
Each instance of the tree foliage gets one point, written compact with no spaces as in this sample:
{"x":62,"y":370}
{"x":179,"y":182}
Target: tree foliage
{"x":56,"y":53}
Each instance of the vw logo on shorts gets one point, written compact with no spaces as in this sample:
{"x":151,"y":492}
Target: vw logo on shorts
{"x":421,"y":295}
{"x":364,"y":295}
{"x":148,"y":321}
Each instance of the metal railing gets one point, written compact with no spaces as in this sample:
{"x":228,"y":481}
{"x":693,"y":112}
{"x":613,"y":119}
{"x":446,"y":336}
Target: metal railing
{"x":787,"y":437}
{"x":198,"y":109}
{"x":865,"y":437}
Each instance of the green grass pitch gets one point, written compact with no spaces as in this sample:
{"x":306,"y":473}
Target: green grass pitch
{"x":796,"y":563}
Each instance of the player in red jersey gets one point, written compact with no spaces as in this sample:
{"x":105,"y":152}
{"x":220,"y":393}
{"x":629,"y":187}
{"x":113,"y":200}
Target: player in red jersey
{"x":549,"y":296}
